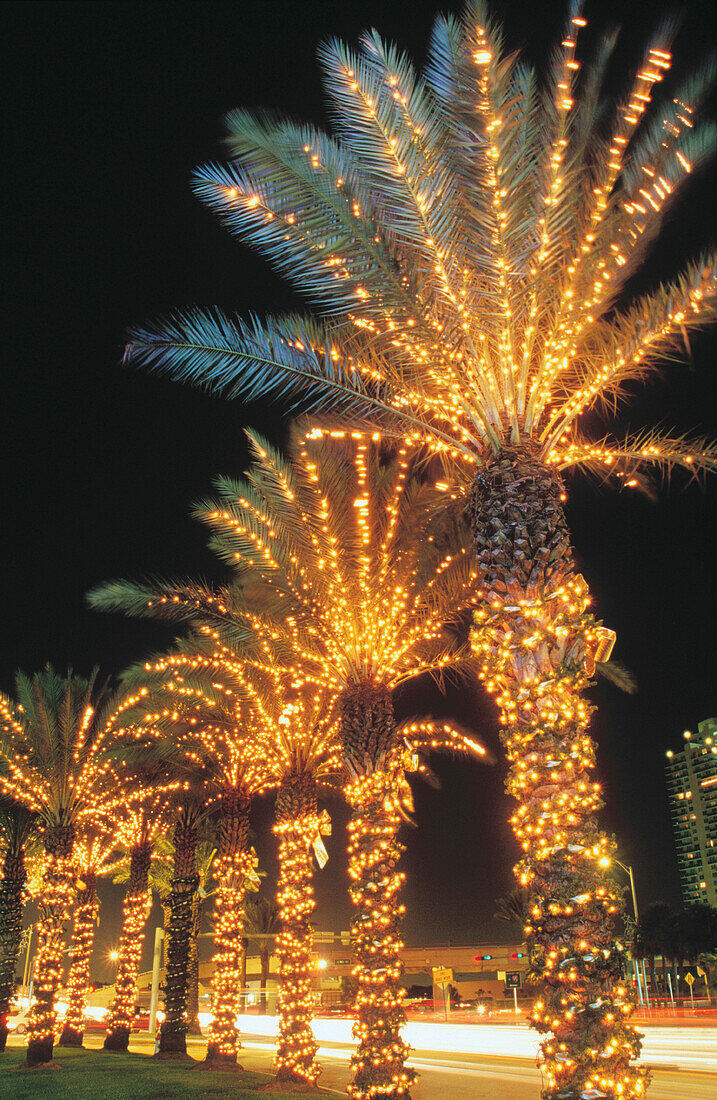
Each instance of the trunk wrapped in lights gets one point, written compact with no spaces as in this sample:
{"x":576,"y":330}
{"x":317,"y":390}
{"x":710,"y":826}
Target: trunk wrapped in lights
{"x":368,"y":732}
{"x":233,"y":864}
{"x":55,"y":906}
{"x":537,"y":642}
{"x":297,"y":826}
{"x":13,"y":883}
{"x":173,"y":1033}
{"x":193,"y":1027}
{"x":135,"y":911}
{"x":83,"y":934}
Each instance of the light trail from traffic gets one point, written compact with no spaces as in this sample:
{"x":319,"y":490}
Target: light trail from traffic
{"x":684,"y":1048}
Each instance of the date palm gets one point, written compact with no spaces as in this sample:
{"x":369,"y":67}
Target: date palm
{"x":465,"y":238}
{"x":91,"y":852}
{"x":263,"y":921}
{"x":17,"y":826}
{"x":257,"y":731}
{"x":344,"y":579}
{"x":140,"y":812}
{"x":55,"y":737}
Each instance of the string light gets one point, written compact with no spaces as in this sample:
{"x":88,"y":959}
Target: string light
{"x":297,"y":827}
{"x":378,"y":1065}
{"x":91,"y":851}
{"x":140,"y":814}
{"x":535,"y":659}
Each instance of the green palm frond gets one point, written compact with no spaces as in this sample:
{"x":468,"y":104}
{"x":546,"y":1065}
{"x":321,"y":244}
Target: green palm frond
{"x":465,"y":237}
{"x":631,"y":459}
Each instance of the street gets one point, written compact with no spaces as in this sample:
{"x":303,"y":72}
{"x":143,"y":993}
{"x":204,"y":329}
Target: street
{"x":687,"y":1057}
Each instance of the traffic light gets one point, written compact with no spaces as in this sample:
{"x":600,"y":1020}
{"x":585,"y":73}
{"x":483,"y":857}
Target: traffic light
{"x":517,"y":954}
{"x":482,"y":958}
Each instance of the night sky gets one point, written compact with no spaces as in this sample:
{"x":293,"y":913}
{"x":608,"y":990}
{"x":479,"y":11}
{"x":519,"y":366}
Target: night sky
{"x":109,"y":107}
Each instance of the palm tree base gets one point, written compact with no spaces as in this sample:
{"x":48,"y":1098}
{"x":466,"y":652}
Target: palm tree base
{"x":216,"y":1060}
{"x":172,"y":1056}
{"x":118,"y":1040}
{"x":3,"y":1037}
{"x":71,"y":1038}
{"x":39,"y":1053}
{"x":172,"y":1041}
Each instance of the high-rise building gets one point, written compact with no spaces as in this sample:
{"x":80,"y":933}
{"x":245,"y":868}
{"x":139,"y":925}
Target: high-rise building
{"x":692,"y":789}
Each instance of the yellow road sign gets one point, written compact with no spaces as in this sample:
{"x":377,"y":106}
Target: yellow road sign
{"x":442,"y":974}
{"x":689,"y":978}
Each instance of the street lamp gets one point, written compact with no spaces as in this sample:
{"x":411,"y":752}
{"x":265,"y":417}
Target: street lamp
{"x":627,"y":868}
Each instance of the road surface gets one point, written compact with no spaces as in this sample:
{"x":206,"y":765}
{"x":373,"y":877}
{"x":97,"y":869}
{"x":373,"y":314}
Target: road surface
{"x":684,"y":1059}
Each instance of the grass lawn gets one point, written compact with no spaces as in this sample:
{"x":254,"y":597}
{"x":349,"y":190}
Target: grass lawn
{"x":97,"y":1075}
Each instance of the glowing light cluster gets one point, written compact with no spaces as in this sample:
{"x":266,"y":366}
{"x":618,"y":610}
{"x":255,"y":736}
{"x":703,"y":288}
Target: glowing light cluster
{"x":55,"y":903}
{"x":378,"y":1064}
{"x":233,"y":866}
{"x":135,"y":910}
{"x":535,"y":658}
{"x":83,"y":934}
{"x":297,"y":828}
{"x":91,"y":850}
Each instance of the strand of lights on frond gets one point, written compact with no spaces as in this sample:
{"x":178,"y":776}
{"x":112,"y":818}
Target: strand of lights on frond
{"x":366,"y":616}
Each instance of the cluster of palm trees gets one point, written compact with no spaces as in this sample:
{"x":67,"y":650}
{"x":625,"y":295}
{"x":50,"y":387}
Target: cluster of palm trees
{"x":466,"y":240}
{"x":689,"y":935}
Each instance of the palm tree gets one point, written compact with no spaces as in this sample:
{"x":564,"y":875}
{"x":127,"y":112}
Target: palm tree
{"x":92,"y":849}
{"x":141,"y":812}
{"x":54,"y":740}
{"x":263,"y":920}
{"x":465,"y":238}
{"x":16,"y":832}
{"x":514,"y":908}
{"x":197,"y":730}
{"x":279,"y":736}
{"x":343,"y":578}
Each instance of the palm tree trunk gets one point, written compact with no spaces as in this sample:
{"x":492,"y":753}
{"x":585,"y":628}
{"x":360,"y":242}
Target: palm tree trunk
{"x":193,"y":1027}
{"x":296,"y":826}
{"x":233,"y":864}
{"x":55,"y":906}
{"x":265,"y":960}
{"x":536,"y":638}
{"x":13,"y":883}
{"x":78,"y":981}
{"x":173,"y":1033}
{"x":368,"y":731}
{"x":242,"y":980}
{"x":135,"y":911}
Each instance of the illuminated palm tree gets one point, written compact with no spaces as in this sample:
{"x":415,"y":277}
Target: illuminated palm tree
{"x":465,"y":238}
{"x":256,"y":731}
{"x":16,"y":831}
{"x":196,"y":731}
{"x":140,"y":812}
{"x":91,"y":852}
{"x":54,"y":740}
{"x":342,"y":577}
{"x":179,"y":932}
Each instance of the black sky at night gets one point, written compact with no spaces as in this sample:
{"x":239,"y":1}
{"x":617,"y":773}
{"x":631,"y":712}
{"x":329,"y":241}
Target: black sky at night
{"x":108,"y":108}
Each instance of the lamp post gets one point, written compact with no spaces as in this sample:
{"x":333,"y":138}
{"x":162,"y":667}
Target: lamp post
{"x":627,"y":868}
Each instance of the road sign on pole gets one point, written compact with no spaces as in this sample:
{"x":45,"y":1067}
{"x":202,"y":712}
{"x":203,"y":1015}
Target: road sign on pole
{"x":512,"y":979}
{"x":442,"y":974}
